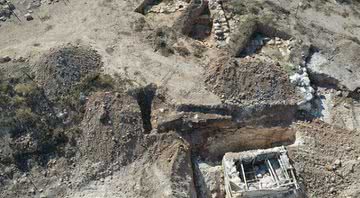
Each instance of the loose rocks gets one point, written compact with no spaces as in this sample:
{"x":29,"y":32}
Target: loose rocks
{"x":302,"y":81}
{"x":28,"y":17}
{"x":250,"y":80}
{"x":5,"y":59}
{"x":62,"y":68}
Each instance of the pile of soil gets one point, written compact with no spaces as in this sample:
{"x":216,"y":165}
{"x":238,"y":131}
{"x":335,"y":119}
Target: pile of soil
{"x":243,"y":81}
{"x":327,"y":160}
{"x":62,"y":67}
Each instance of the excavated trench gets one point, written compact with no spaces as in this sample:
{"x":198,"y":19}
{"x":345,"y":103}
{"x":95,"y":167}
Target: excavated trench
{"x":220,"y":129}
{"x":214,"y":131}
{"x":195,"y":21}
{"x":144,"y":97}
{"x":201,"y":25}
{"x":259,"y":38}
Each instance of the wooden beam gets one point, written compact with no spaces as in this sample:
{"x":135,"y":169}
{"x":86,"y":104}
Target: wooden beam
{"x":244,"y":176}
{"x":274,"y":173}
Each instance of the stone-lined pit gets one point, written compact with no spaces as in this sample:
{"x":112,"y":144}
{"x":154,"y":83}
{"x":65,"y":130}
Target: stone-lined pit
{"x":213,"y":131}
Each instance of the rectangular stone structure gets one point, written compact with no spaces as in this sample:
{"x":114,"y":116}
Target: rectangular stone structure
{"x":260,"y":173}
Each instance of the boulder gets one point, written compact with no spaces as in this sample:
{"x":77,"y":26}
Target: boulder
{"x":339,"y":69}
{"x":5,"y":59}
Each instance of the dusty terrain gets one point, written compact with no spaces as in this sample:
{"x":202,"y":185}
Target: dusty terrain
{"x":143,"y":98}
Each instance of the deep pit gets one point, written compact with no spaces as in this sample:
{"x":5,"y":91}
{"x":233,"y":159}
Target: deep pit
{"x":260,"y":173}
{"x":202,"y":25}
{"x":215,"y":131}
{"x":144,"y":97}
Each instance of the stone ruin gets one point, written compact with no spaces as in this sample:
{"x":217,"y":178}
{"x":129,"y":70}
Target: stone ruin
{"x":159,"y":6}
{"x":260,"y":173}
{"x":220,"y":23}
{"x":251,"y":173}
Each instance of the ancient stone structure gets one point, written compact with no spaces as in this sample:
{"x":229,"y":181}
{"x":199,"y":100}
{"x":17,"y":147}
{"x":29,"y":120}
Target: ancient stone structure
{"x":260,"y":173}
{"x":221,"y":28}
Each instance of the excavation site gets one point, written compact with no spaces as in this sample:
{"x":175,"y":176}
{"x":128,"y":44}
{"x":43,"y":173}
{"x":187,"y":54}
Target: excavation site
{"x":179,"y":98}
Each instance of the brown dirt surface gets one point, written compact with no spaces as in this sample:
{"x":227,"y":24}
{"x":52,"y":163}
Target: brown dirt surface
{"x":250,"y":80}
{"x":316,"y":160}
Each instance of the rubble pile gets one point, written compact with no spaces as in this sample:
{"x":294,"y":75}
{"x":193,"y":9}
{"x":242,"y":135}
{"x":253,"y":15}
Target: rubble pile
{"x":178,"y":5}
{"x":221,"y":28}
{"x":302,"y":81}
{"x":262,"y":45}
{"x":163,"y":7}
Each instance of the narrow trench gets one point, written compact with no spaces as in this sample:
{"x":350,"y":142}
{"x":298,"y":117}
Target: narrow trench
{"x":202,"y":25}
{"x":312,"y":51}
{"x":144,"y":97}
{"x":199,"y":181}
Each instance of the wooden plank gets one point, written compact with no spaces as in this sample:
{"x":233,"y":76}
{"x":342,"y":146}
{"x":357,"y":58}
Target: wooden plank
{"x":244,"y":176}
{"x":274,"y":173}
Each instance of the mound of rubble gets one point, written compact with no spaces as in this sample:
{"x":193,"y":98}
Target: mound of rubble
{"x":249,"y":80}
{"x":60,"y":69}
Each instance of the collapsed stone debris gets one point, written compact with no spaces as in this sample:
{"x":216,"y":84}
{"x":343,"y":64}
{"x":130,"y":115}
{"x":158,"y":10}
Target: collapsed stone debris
{"x":262,"y":45}
{"x":260,"y":173}
{"x":302,"y":81}
{"x":221,"y":28}
{"x":156,"y":6}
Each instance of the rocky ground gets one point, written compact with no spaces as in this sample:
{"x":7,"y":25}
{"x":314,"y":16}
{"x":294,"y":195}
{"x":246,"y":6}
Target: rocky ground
{"x":143,"y":98}
{"x":327,"y":159}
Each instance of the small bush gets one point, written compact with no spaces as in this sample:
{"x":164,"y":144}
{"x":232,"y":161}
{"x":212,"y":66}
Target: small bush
{"x":239,"y":8}
{"x":4,"y":87}
{"x":198,"y":50}
{"x":25,"y":89}
{"x":25,"y":116}
{"x":288,"y":68}
{"x":18,"y":101}
{"x":182,"y":51}
{"x":91,"y":83}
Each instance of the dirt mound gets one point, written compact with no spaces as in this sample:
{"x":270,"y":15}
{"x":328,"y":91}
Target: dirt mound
{"x":114,"y":138}
{"x":327,"y":160}
{"x":61,"y":68}
{"x":243,"y":81}
{"x":107,"y":146}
